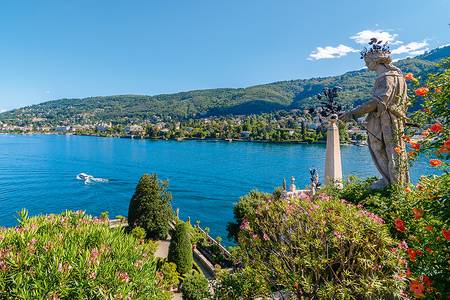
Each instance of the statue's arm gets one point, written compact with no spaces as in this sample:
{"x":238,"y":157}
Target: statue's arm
{"x":361,"y":110}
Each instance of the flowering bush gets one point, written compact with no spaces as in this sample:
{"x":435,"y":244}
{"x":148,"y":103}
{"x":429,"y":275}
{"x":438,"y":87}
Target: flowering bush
{"x":433,"y":118}
{"x":74,"y":256}
{"x":418,"y":217}
{"x":320,"y":248}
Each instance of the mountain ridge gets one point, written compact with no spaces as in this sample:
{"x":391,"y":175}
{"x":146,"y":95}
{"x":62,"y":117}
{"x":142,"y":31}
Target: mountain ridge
{"x":279,"y":95}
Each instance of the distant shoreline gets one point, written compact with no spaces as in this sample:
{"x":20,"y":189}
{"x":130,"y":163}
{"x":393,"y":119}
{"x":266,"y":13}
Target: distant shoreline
{"x":181,"y":140}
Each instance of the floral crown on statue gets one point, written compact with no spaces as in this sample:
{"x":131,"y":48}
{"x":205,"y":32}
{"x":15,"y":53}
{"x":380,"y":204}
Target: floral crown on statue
{"x":377,"y":48}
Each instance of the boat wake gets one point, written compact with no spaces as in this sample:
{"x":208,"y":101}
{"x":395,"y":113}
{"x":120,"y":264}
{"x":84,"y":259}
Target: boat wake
{"x":89,"y":178}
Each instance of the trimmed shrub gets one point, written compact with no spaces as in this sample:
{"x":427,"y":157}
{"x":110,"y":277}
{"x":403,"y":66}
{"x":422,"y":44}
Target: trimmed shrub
{"x":180,"y":249}
{"x":320,"y":248}
{"x":74,"y":256}
{"x":150,"y":207}
{"x":195,"y":287}
{"x":243,"y":283}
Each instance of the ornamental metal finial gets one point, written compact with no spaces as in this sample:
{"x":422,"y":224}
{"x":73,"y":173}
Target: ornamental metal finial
{"x":329,"y":105}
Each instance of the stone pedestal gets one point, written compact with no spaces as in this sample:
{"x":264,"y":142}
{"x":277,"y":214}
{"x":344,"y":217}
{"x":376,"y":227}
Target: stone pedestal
{"x":333,"y":166}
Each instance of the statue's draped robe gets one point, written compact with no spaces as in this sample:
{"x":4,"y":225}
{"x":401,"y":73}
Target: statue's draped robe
{"x":385,"y":124}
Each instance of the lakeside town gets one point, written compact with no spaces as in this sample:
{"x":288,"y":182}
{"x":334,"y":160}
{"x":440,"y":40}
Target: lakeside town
{"x":296,"y":126}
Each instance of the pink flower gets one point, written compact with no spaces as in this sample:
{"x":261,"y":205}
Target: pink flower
{"x":265,"y":237}
{"x":123,"y":276}
{"x":92,"y":275}
{"x":403,"y":245}
{"x":244,"y":224}
{"x":338,"y":235}
{"x":290,"y":208}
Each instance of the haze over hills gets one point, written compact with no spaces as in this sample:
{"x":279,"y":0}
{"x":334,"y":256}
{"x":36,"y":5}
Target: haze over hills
{"x":282,"y":95}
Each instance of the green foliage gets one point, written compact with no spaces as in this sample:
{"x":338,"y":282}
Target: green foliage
{"x":138,"y":233}
{"x":195,"y":287}
{"x":320,"y":248}
{"x":282,"y":95}
{"x":180,"y":249}
{"x":243,"y":284}
{"x":150,"y":207}
{"x":74,"y":256}
{"x":104,"y":214}
{"x":169,"y":277}
{"x":418,"y":217}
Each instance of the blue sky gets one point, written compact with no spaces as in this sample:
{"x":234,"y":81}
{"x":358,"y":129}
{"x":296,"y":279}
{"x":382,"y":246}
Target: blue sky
{"x":64,"y":49}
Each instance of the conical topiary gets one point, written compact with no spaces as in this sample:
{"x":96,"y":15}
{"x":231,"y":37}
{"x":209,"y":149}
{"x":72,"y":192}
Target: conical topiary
{"x":150,"y":207}
{"x":180,"y":249}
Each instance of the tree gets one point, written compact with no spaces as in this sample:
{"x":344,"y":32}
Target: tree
{"x":180,"y":249}
{"x":150,"y":207}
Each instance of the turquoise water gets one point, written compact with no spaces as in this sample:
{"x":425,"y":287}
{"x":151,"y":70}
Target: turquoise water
{"x":38,"y":172}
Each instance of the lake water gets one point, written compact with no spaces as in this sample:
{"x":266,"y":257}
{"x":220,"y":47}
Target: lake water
{"x":38,"y":172}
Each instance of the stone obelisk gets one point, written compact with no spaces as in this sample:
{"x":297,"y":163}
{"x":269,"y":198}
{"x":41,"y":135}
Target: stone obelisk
{"x":333,"y":166}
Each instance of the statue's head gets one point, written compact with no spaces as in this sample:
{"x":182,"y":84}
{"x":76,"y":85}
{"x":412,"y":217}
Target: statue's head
{"x":376,"y":54}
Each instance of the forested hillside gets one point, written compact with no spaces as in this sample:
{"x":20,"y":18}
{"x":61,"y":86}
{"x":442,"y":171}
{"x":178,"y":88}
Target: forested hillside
{"x":283,"y":95}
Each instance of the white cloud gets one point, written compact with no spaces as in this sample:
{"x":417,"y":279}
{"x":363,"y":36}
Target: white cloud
{"x":413,"y":48}
{"x":363,"y":37}
{"x":331,"y":52}
{"x":2,"y":110}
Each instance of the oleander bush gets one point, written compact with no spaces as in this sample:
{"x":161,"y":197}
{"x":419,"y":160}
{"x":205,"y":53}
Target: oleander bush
{"x":195,"y":286}
{"x":150,"y":207}
{"x":320,"y":248}
{"x":74,"y":256}
{"x":180,"y":249}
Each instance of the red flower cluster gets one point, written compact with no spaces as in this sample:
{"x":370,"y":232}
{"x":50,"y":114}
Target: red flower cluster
{"x":422,"y":91}
{"x":415,"y":146}
{"x":417,"y":288}
{"x":413,"y":253}
{"x":418,"y":213}
{"x":436,"y":128}
{"x":400,"y":225}
{"x":446,"y":234}
{"x":435,"y":162}
{"x":409,"y":76}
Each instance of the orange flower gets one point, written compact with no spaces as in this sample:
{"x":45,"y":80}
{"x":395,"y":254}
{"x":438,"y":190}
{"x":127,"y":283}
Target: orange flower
{"x":418,"y":213}
{"x":447,"y":143}
{"x":398,"y":149}
{"x":415,"y":146}
{"x":409,"y":76}
{"x":446,"y":234}
{"x":417,"y":288}
{"x":408,"y":189}
{"x":428,"y":249}
{"x":437,"y":90}
{"x":406,"y":138}
{"x":436,"y":127}
{"x":429,"y":228}
{"x":425,"y":133}
{"x":419,"y":187}
{"x":422,"y":91}
{"x":435,"y":162}
{"x":411,"y":154}
{"x":400,"y":225}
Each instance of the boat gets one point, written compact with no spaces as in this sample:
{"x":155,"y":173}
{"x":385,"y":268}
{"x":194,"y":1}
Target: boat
{"x":86,"y":177}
